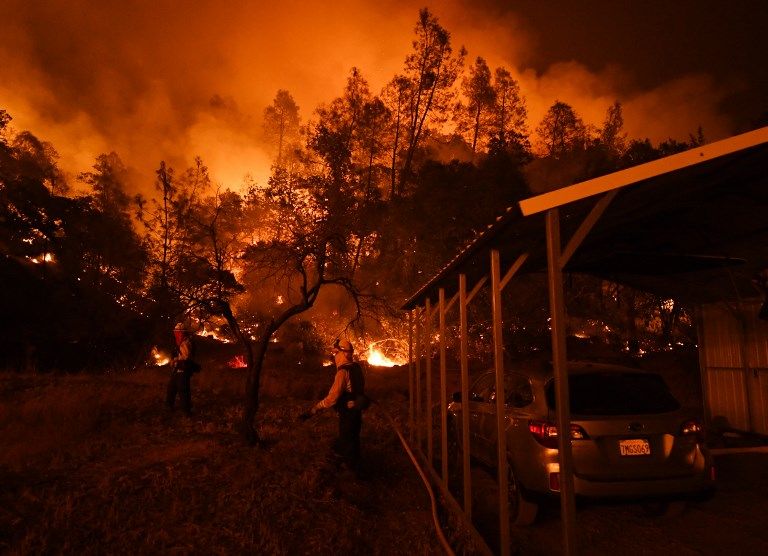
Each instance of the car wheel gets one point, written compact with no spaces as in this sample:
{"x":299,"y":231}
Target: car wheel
{"x":664,"y":508}
{"x":522,"y":511}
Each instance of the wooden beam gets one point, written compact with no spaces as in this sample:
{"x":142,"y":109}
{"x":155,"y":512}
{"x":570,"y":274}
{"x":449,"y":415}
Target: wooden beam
{"x":452,"y":302}
{"x":480,"y":283}
{"x":513,"y":270}
{"x":585,"y":227}
{"x":616,"y":180}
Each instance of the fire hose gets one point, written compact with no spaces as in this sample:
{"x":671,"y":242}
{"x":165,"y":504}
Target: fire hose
{"x":427,"y":485}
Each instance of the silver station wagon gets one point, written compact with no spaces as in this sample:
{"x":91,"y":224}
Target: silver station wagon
{"x":630,"y":437}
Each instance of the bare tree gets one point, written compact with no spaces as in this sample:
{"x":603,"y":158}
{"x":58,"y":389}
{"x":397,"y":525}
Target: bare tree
{"x":313,"y":247}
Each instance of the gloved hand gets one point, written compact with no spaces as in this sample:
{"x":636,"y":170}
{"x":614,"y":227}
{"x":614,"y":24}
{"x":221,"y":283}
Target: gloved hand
{"x":307,"y":414}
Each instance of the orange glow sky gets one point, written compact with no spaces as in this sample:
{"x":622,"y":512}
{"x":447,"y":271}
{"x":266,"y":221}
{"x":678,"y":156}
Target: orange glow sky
{"x":169,"y":80}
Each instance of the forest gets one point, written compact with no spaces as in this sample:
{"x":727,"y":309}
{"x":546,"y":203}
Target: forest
{"x":366,"y":200}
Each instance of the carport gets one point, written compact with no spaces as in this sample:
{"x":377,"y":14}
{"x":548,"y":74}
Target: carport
{"x":691,"y":226}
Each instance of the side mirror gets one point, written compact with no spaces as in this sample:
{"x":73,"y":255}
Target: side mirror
{"x":456,"y":397}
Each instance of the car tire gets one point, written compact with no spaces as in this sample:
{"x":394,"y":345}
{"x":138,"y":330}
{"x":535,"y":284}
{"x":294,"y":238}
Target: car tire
{"x":665,"y":508}
{"x":522,"y":510}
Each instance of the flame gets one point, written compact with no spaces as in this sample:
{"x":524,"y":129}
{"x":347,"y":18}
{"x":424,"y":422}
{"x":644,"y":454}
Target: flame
{"x":47,"y":258}
{"x":159,"y":357}
{"x":387,"y":353}
{"x":213,"y":334}
{"x":237,"y":362}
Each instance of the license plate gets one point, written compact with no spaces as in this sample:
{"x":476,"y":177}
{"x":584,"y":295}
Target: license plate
{"x":634,"y":447}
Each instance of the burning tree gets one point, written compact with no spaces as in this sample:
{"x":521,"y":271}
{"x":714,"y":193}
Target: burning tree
{"x":310,"y":235}
{"x":423,"y":92}
{"x":281,"y":245}
{"x":71,"y":266}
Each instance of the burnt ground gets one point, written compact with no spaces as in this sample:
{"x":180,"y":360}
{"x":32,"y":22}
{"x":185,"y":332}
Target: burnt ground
{"x":95,"y":465}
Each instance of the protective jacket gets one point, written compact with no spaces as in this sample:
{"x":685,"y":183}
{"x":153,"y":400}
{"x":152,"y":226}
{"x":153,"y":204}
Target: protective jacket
{"x":348,"y":385}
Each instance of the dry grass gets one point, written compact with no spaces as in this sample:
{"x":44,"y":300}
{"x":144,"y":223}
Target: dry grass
{"x":95,"y":464}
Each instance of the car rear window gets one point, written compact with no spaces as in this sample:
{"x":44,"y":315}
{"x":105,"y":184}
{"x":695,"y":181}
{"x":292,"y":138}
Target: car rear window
{"x":616,"y":394}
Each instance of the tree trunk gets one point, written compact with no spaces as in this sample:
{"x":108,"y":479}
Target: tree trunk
{"x":255,"y":362}
{"x":252,"y":386}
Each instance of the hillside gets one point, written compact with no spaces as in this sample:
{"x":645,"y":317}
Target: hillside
{"x":96,"y":464}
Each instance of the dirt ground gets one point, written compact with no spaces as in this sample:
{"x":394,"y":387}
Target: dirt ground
{"x":95,"y":465}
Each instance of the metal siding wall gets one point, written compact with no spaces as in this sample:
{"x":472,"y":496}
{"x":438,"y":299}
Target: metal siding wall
{"x":758,"y":362}
{"x":726,"y":382}
{"x":721,"y":337}
{"x":761,"y":397}
{"x":758,"y":344}
{"x":727,"y":396}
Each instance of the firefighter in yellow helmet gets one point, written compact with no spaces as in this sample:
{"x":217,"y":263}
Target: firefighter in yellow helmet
{"x":182,"y":368}
{"x":347,"y":397}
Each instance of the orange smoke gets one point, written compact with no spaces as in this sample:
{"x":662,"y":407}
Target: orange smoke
{"x":94,"y":77}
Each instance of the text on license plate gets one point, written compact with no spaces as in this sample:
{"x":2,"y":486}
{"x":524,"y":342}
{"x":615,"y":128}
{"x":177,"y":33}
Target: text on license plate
{"x":634,"y":447}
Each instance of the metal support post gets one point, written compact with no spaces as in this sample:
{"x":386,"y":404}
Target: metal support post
{"x":443,"y":389}
{"x":428,"y":386}
{"x":498,"y":363}
{"x":464,"y":356}
{"x":559,"y":358}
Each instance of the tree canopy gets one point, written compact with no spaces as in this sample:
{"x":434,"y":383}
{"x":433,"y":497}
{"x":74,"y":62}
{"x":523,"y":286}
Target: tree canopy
{"x":368,"y":198}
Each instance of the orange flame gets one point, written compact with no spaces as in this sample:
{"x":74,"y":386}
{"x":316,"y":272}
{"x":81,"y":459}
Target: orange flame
{"x":387,"y":353}
{"x":160,"y":358}
{"x":237,"y":362}
{"x":213,"y":334}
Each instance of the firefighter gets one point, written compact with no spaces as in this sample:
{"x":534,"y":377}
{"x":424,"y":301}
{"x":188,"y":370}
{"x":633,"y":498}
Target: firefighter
{"x":182,"y":368}
{"x":347,"y":397}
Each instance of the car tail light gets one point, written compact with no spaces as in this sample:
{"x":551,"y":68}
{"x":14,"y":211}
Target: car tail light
{"x":692,"y":428}
{"x":545,"y":433}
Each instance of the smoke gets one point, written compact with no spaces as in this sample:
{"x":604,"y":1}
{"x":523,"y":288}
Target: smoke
{"x":167,"y":80}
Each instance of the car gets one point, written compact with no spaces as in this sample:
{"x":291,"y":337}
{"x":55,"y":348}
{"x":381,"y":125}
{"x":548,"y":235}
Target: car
{"x":630,"y":437}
